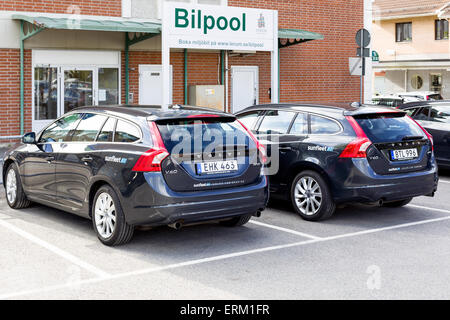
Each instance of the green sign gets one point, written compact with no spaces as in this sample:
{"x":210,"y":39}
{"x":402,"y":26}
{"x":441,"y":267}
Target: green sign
{"x":207,"y":22}
{"x":375,"y":56}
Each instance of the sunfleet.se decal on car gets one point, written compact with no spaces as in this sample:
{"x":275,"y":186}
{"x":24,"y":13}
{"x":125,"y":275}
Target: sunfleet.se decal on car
{"x":320,"y":148}
{"x":115,"y":159}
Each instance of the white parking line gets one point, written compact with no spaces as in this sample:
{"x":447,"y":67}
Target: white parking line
{"x":55,"y":250}
{"x":444,"y":181}
{"x":310,"y":236}
{"x":215,"y":258}
{"x":428,"y":208}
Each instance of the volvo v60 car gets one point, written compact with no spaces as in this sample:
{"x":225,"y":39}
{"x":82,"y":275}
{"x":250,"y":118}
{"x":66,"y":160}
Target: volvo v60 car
{"x":126,"y":166}
{"x":341,"y":153}
{"x":434,"y":116}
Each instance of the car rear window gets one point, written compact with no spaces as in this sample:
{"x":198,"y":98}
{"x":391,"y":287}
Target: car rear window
{"x":440,"y":113}
{"x":391,"y":127}
{"x":193,"y":135}
{"x":434,"y":97}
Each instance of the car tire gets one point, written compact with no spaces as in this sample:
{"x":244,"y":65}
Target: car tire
{"x":108,"y":218}
{"x":237,"y":221}
{"x":311,"y":196}
{"x":397,"y":204}
{"x":15,"y":196}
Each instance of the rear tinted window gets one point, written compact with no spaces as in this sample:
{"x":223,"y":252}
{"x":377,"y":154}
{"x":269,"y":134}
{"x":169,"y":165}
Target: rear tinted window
{"x":193,"y":136}
{"x":394,"y":103}
{"x":440,"y":114}
{"x":434,"y":97}
{"x":106,"y":135}
{"x":388,"y":127}
{"x":126,"y":132}
{"x":320,"y":125}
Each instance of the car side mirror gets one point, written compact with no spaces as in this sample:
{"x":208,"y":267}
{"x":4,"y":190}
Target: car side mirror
{"x":29,"y":138}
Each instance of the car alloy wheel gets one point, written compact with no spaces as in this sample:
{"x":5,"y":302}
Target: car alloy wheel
{"x":11,"y":186}
{"x":308,"y":196}
{"x":105,"y":215}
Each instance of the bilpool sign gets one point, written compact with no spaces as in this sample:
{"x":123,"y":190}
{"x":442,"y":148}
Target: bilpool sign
{"x":219,"y":27}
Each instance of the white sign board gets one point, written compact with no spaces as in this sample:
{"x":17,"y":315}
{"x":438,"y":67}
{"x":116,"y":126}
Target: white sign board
{"x":355,"y":66}
{"x":219,"y":27}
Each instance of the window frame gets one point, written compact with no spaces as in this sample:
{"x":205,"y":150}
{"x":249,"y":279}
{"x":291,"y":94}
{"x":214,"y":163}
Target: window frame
{"x":396,"y":31}
{"x":436,"y":22}
{"x":263,"y":115}
{"x":259,"y":114}
{"x":304,"y":114}
{"x":310,"y":114}
{"x":95,"y":141}
{"x":56,"y":120}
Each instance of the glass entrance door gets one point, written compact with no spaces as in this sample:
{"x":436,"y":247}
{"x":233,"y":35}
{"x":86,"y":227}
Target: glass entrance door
{"x":60,"y":89}
{"x":78,"y":88}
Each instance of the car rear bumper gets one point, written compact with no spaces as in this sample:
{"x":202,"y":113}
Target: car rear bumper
{"x":362,"y":184}
{"x":154,"y":203}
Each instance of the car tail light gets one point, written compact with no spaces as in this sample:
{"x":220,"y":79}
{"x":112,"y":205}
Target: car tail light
{"x":429,"y":136}
{"x":151,"y":160}
{"x":358,"y":147}
{"x":259,"y":146}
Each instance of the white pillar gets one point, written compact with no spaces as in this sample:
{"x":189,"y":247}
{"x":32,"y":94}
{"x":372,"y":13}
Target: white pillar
{"x":165,"y":57}
{"x":368,"y":86}
{"x":274,"y":60}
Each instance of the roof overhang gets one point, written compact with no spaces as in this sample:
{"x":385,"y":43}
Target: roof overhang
{"x":69,"y":23}
{"x":289,"y":37}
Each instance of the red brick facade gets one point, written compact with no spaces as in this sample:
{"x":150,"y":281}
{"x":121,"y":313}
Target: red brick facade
{"x":87,"y":7}
{"x":10,"y":91}
{"x":312,"y":71}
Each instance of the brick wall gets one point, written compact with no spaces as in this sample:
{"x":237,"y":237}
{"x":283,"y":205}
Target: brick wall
{"x":315,"y":70}
{"x":88,"y":7}
{"x":202,"y":69}
{"x":10,"y":92}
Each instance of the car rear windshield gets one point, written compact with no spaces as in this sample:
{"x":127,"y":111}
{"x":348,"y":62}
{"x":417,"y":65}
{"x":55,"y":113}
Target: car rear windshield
{"x":188,"y":136}
{"x":391,"y":127}
{"x":434,"y":97}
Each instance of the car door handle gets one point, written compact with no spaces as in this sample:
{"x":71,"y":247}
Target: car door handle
{"x":285,"y":149}
{"x":49,"y":159}
{"x":87,"y":159}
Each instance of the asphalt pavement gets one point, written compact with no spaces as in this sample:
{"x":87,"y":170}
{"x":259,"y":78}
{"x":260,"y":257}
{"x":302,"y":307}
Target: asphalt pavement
{"x":360,"y":253}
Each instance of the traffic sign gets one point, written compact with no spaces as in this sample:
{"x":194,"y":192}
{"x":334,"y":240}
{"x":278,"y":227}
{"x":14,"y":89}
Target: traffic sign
{"x":366,"y":52}
{"x":362,"y":38}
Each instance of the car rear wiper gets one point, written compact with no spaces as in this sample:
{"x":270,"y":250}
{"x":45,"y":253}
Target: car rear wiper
{"x":413,"y":138}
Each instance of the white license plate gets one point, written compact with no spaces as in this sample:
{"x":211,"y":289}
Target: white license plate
{"x":217,"y":167}
{"x":404,"y":154}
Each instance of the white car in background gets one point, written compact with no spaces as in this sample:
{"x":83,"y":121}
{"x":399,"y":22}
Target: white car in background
{"x":420,"y":96}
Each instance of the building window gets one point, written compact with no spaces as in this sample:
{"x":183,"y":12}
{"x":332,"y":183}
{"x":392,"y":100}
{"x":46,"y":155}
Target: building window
{"x":416,"y":82}
{"x":441,"y":29}
{"x":403,"y":31}
{"x":45,"y":93}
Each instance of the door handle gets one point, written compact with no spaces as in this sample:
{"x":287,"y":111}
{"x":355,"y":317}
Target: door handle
{"x":49,"y":159}
{"x":285,"y":149}
{"x":87,"y":159}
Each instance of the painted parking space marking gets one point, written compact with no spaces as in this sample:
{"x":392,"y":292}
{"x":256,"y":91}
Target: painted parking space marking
{"x":444,"y":181}
{"x":217,"y":258}
{"x":428,"y":208}
{"x":302,"y":234}
{"x":64,"y":254}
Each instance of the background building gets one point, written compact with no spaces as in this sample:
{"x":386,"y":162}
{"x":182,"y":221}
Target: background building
{"x":412,"y":39}
{"x":75,"y":53}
